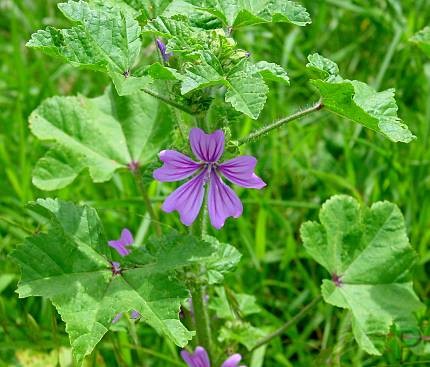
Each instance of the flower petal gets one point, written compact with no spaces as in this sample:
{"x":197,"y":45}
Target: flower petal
{"x":207,"y":147}
{"x":232,"y":361}
{"x":199,"y":358}
{"x":222,"y":202}
{"x":240,"y":171}
{"x":126,"y":237}
{"x":187,"y":199}
{"x":177,"y":166}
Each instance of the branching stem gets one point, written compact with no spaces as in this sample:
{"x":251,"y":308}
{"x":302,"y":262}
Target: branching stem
{"x":268,"y":338}
{"x":277,"y":124}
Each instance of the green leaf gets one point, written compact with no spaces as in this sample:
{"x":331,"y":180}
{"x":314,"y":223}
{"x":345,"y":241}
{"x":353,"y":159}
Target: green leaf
{"x":422,"y":40}
{"x":106,"y":38}
{"x":233,"y":305}
{"x":358,"y":102}
{"x":102,"y":134}
{"x":247,"y":93}
{"x":70,"y":265}
{"x":368,"y":255}
{"x":242,"y":333}
{"x":128,"y":85}
{"x":240,"y":13}
{"x":224,"y":260}
{"x":270,"y":71}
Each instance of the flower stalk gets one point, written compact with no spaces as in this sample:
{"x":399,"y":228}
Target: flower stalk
{"x":277,"y":124}
{"x":169,"y":101}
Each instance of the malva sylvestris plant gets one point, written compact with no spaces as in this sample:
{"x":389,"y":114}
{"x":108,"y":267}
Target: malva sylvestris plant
{"x":202,"y":87}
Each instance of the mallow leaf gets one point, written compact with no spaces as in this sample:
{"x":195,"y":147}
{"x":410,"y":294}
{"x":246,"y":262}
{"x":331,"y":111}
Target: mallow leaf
{"x":106,"y":38}
{"x":422,"y":40}
{"x":71,"y":265}
{"x":103,"y":134}
{"x":358,"y":101}
{"x":369,"y":258}
{"x":224,"y":260}
{"x":240,"y":13}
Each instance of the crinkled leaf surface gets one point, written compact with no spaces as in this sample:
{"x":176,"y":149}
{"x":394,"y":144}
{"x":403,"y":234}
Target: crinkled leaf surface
{"x":240,"y":13}
{"x":106,"y":38}
{"x":102,"y":134}
{"x":367,"y":253}
{"x":422,"y":39}
{"x":357,"y":101}
{"x":70,"y":265}
{"x":224,"y":260}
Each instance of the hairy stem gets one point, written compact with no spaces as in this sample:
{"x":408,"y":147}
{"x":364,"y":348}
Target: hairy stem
{"x":201,"y":315}
{"x":288,"y":324}
{"x":169,"y":101}
{"x":154,"y":218}
{"x":277,"y":124}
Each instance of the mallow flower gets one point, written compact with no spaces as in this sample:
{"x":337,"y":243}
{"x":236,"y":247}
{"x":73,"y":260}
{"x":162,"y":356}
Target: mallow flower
{"x":200,"y":358}
{"x":206,"y":171}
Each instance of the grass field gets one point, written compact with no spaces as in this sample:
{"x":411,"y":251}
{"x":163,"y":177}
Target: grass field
{"x":304,"y":164}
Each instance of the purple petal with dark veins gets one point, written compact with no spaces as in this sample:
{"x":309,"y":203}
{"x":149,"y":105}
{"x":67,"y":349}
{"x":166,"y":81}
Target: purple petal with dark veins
{"x":240,"y":171}
{"x":176,"y":167}
{"x":207,"y":147}
{"x":199,"y":358}
{"x":232,"y":361}
{"x":222,"y":202}
{"x":187,"y":199}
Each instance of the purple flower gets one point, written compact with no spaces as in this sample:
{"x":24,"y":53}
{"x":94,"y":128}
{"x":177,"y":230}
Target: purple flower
{"x":162,"y":47}
{"x":116,"y":267}
{"x":126,"y":239}
{"x":134,"y":315}
{"x":188,"y":198}
{"x":200,"y":358}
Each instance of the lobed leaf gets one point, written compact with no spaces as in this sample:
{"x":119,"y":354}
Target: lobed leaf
{"x":357,"y":101}
{"x":106,"y":38}
{"x":368,"y":255}
{"x":103,"y":134}
{"x":71,"y":265}
{"x":241,"y":13}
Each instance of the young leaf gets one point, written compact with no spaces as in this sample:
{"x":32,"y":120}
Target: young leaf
{"x":368,"y":255}
{"x":102,"y":134}
{"x":241,"y":305}
{"x":357,"y":101}
{"x":270,"y":71}
{"x":422,"y":40}
{"x":241,"y":332}
{"x":71,"y":266}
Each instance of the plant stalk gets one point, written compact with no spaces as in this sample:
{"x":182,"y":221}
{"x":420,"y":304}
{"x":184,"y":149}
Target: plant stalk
{"x":268,"y":338}
{"x":201,"y":315}
{"x":277,"y":124}
{"x":168,"y":101}
{"x":147,"y":201}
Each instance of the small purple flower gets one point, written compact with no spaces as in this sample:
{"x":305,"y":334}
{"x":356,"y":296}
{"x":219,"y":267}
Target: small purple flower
{"x":117,"y":318}
{"x":188,"y":198}
{"x":125,"y":240}
{"x":162,"y":47}
{"x":200,"y":358}
{"x":135,"y":315}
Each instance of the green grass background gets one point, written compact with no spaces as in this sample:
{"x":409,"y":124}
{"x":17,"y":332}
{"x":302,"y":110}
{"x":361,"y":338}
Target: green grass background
{"x":304,"y":163}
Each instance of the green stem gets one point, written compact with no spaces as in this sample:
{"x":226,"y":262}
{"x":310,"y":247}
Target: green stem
{"x":201,"y":315}
{"x":169,"y":101}
{"x":277,"y":124}
{"x":147,"y":201}
{"x":288,"y":324}
{"x":201,"y":318}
